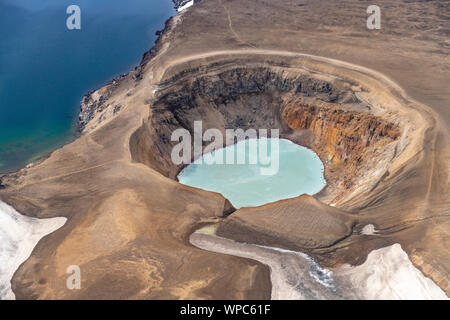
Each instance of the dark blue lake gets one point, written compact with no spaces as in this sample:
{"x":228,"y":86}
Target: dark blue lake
{"x":45,"y":69}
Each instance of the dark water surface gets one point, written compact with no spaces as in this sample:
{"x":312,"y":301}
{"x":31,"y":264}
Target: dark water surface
{"x":45,"y":69}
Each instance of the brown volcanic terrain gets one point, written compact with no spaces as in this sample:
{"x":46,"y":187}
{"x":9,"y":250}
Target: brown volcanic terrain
{"x":386,"y":155}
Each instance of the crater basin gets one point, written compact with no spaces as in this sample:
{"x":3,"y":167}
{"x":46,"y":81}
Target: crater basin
{"x":282,"y":172}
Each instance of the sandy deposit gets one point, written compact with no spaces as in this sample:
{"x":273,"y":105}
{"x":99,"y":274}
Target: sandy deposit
{"x":18,"y":237}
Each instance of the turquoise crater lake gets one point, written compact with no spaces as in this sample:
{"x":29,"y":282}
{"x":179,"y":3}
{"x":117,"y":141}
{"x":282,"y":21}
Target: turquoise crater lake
{"x":300,"y":171}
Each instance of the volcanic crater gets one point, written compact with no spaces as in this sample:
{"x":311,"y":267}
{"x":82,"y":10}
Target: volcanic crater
{"x":325,"y":113}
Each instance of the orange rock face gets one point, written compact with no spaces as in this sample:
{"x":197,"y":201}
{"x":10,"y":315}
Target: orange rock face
{"x":343,"y":138}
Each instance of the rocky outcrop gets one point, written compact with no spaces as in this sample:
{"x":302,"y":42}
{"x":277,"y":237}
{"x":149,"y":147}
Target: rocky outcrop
{"x":90,"y":105}
{"x":349,"y":141}
{"x":94,"y":104}
{"x":349,"y":132}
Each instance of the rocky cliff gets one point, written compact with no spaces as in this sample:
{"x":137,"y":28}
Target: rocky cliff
{"x":321,"y":113}
{"x":350,"y":141}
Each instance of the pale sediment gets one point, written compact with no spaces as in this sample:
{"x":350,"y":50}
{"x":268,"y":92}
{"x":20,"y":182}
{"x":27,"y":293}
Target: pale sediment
{"x":18,"y":237}
{"x":387,"y":274}
{"x":290,"y":274}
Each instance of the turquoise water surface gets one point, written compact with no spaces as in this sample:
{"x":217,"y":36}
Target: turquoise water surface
{"x":300,"y":171}
{"x":45,"y":69}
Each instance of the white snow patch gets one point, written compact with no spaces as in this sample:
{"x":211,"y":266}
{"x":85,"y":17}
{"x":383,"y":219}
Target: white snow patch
{"x":369,"y":230}
{"x":18,"y":237}
{"x":388,"y":274}
{"x":187,"y":5}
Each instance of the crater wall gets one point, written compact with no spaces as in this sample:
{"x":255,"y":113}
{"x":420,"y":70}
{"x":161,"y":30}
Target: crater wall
{"x":320,"y":112}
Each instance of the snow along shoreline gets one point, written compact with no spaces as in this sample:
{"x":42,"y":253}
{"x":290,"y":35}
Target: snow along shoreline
{"x":18,"y":237}
{"x":185,"y":6}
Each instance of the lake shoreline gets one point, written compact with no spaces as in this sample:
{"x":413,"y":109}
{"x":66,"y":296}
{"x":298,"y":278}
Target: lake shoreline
{"x":75,"y":127}
{"x":293,"y":170}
